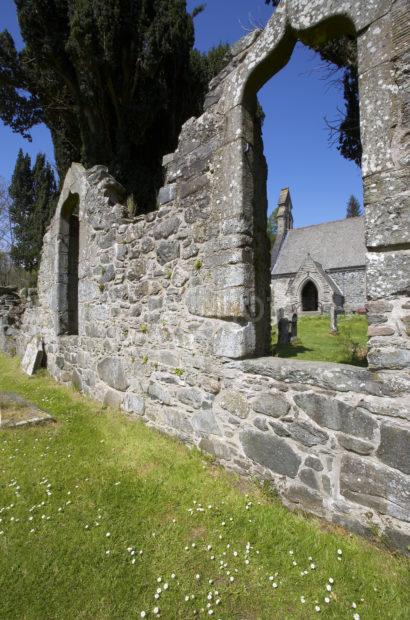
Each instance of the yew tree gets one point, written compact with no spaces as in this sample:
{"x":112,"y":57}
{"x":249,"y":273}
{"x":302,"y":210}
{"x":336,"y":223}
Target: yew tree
{"x":112,"y":79}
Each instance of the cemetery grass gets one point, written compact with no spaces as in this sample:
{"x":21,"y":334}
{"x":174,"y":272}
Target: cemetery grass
{"x":82,"y":498}
{"x":316,"y":343}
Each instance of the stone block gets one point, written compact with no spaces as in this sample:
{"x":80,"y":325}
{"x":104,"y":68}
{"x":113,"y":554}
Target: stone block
{"x":391,"y":407}
{"x":168,"y":159}
{"x":376,"y":319}
{"x":307,"y":434}
{"x":279,"y":429}
{"x":111,"y":371}
{"x":352,"y":444}
{"x":314,"y":463}
{"x":375,"y":330}
{"x":193,"y":185}
{"x":166,"y":227}
{"x":397,"y":539}
{"x":326,"y":375}
{"x":272,"y":405}
{"x":388,"y":221}
{"x":232,"y":402}
{"x":177,"y":421}
{"x":303,"y":15}
{"x":108,"y":274}
{"x":270,"y":452}
{"x":388,"y":357}
{"x":379,"y":306}
{"x":191,"y":396}
{"x":234,"y":341}
{"x":261,"y":424}
{"x":133,"y":403}
{"x":375,"y":44}
{"x":206,"y":301}
{"x":394,"y":448}
{"x":205,"y":422}
{"x":377,"y":118}
{"x":305,"y":498}
{"x":376,"y":486}
{"x":76,"y":380}
{"x":179,"y":277}
{"x":167,"y":251}
{"x":216,"y":448}
{"x":159,"y":392}
{"x":353,"y":525}
{"x":166,"y":193}
{"x":113,"y":399}
{"x":387,"y":274}
{"x":337,"y":415}
{"x":212,"y":98}
{"x":308,"y":477}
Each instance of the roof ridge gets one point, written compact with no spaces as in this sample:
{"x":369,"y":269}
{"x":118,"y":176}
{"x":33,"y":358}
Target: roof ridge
{"x":359,"y":217}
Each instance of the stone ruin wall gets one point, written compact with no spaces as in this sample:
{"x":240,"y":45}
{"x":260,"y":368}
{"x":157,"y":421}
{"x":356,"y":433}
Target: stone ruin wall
{"x":171,"y":327}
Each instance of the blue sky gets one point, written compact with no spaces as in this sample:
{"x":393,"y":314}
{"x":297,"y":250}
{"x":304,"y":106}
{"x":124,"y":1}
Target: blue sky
{"x":296,"y":102}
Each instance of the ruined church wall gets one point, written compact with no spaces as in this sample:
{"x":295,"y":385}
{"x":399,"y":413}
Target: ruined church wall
{"x":171,"y":308}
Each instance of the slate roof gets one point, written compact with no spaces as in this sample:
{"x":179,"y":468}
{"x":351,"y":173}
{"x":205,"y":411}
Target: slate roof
{"x":334,"y":245}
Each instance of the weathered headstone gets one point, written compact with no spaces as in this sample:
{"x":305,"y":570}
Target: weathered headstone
{"x":283,"y":331}
{"x":333,"y":319}
{"x":33,"y":356}
{"x":294,"y":327}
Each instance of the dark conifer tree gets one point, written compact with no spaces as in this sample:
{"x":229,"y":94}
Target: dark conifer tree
{"x":353,"y":208}
{"x":21,"y":208}
{"x":44,"y":203}
{"x":112,"y":79}
{"x":33,"y":201}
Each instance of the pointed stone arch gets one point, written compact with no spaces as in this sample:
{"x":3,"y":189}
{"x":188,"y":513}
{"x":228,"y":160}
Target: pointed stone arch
{"x":257,"y":58}
{"x":309,"y":296}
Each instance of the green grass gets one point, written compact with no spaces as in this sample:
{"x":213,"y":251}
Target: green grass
{"x":315,"y":342}
{"x":65,"y":486}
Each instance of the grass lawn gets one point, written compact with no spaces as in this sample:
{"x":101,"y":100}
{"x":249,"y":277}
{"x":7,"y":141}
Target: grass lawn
{"x":315,"y":342}
{"x":99,"y":514}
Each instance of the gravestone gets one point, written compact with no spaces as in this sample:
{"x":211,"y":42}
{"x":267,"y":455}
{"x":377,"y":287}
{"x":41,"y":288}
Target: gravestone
{"x":33,"y":356}
{"x":283,"y":331}
{"x":333,"y":319}
{"x":294,"y":327}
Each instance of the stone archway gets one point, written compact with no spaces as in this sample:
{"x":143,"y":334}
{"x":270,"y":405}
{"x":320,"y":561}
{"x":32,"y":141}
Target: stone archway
{"x":380,"y":32}
{"x":310,"y":297}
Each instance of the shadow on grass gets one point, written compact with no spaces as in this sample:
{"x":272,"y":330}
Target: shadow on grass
{"x":289,"y":350}
{"x":355,"y":360}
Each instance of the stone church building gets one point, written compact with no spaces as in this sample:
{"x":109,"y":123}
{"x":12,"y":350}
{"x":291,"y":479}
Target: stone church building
{"x":318,"y":266}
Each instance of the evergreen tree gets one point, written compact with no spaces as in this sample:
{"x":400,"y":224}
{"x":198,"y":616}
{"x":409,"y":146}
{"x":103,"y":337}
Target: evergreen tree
{"x":33,"y":201}
{"x":112,"y":79}
{"x":353,"y":208}
{"x":44,"y":203}
{"x":21,"y":194}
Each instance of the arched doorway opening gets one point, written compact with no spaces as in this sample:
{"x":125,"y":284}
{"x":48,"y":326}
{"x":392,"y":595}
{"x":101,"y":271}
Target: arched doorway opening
{"x":310,"y":297}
